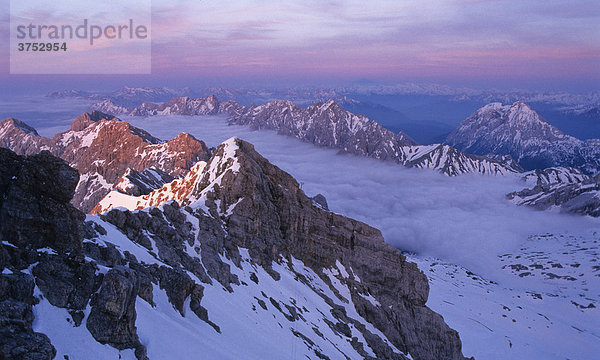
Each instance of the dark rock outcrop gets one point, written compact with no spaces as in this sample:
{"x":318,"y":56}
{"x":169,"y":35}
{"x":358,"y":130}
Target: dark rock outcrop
{"x":34,"y":207}
{"x":138,"y":183}
{"x":112,"y":318}
{"x":40,"y":229}
{"x":17,"y":338}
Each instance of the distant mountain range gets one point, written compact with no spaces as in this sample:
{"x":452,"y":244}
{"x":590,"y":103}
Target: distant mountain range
{"x":126,"y":96}
{"x":427,"y":112}
{"x":327,"y":124}
{"x":522,"y":133}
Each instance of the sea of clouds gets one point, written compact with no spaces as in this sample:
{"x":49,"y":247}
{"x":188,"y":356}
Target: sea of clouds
{"x":464,"y":220}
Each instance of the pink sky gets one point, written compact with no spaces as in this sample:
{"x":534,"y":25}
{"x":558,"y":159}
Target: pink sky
{"x":462,"y":40}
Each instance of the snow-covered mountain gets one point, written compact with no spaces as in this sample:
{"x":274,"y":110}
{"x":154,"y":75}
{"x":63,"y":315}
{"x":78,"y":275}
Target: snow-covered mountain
{"x":323,"y":124}
{"x":247,"y":260}
{"x":131,"y":96}
{"x":107,"y":106}
{"x":328,"y":124}
{"x":102,"y":148}
{"x":519,"y":131}
{"x":452,"y":162}
{"x":77,"y":94}
{"x":558,"y":175}
{"x":22,"y":138}
{"x":571,"y":193}
{"x":210,"y":105}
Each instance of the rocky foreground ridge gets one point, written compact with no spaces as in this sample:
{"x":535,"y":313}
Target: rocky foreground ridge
{"x":243,"y":258}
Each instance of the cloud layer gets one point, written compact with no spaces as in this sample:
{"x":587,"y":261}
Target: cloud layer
{"x":463,"y":219}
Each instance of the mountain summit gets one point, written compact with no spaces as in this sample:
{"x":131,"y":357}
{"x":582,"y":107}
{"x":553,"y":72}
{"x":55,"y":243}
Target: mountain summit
{"x":519,"y":131}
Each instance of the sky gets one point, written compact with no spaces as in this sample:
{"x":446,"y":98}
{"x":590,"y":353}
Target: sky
{"x":528,"y":43}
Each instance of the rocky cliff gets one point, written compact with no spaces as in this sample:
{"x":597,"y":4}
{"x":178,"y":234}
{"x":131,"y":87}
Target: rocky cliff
{"x":244,"y":249}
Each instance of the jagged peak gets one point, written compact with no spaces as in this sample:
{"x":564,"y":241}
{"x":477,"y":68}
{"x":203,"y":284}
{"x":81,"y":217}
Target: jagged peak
{"x":279,"y":103}
{"x":183,"y":136}
{"x":189,"y":190}
{"x":19,"y":125}
{"x":86,"y":119}
{"x":330,"y":104}
{"x":212,"y":98}
{"x":491,"y":107}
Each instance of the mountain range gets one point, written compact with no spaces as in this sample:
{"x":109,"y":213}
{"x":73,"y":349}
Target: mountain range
{"x":328,"y":124}
{"x":568,"y":190}
{"x":125,"y":96}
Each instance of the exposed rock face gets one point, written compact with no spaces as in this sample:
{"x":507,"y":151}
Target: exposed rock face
{"x":557,"y":175}
{"x":23,"y":139}
{"x":40,"y":230}
{"x":507,"y":161}
{"x":17,"y":338}
{"x":138,"y":183}
{"x":320,"y":201}
{"x":102,"y":148}
{"x":519,"y":131}
{"x":112,"y":318}
{"x":575,"y":194}
{"x":33,"y":207}
{"x":241,"y":201}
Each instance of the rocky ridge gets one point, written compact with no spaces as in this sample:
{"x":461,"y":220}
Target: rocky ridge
{"x":244,"y":227}
{"x":102,"y":148}
{"x":568,"y":190}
